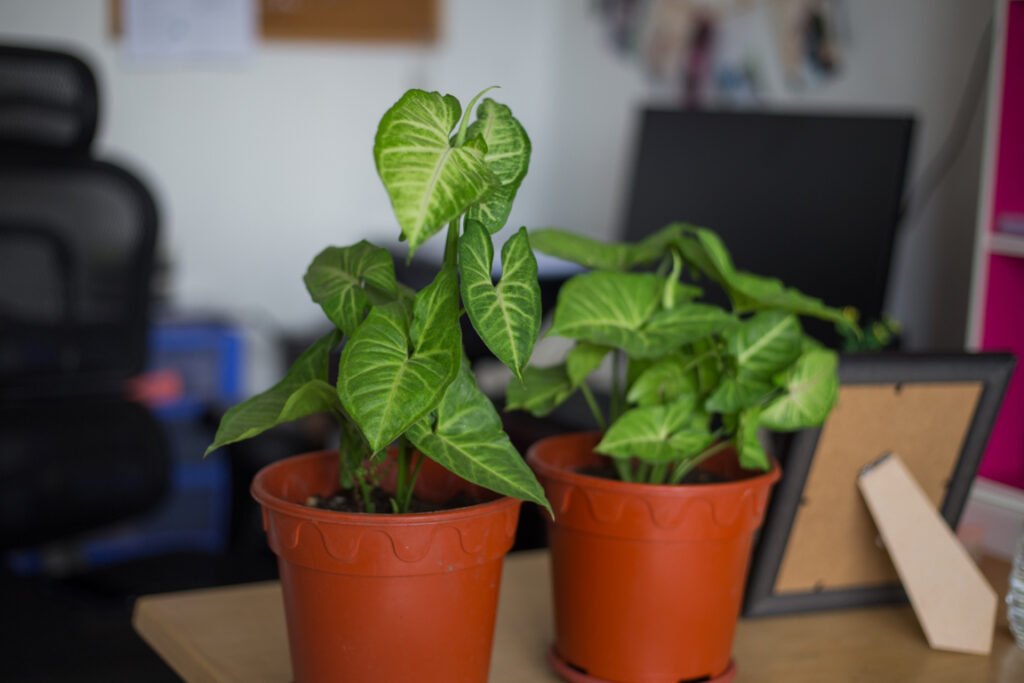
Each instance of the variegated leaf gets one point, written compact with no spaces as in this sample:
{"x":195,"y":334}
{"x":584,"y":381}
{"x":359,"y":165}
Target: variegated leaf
{"x":508,"y":156}
{"x":394,"y":371}
{"x":430,"y":181}
{"x":345,"y":280}
{"x":506,"y":315}
{"x":467,"y":438}
{"x":303,"y":391}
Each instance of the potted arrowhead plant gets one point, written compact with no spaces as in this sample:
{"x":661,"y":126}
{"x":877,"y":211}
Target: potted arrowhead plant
{"x":655,"y":516}
{"x":390,"y":549}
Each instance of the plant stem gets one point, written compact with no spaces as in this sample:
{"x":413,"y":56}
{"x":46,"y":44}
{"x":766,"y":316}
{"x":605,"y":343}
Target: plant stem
{"x":451,"y":245}
{"x":686,"y":466}
{"x":412,"y":479}
{"x":622,"y":468}
{"x":594,"y":408}
{"x":617,"y":400}
{"x":402,"y":496}
{"x":658,"y":473}
{"x":643,"y":471}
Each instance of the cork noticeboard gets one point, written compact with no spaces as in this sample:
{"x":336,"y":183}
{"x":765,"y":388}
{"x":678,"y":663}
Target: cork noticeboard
{"x":819,"y":547}
{"x":414,"y":21}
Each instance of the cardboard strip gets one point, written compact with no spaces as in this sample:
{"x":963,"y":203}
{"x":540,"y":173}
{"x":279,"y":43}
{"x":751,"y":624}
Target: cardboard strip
{"x":952,"y":600}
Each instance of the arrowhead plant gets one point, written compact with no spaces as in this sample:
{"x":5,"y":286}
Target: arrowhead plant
{"x":689,"y":379}
{"x":402,"y":377}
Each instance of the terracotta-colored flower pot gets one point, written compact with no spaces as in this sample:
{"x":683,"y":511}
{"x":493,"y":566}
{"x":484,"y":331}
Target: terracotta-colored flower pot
{"x":382,"y":598}
{"x":647,"y":579}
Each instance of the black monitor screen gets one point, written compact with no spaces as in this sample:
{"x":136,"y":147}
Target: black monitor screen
{"x":810,"y":199}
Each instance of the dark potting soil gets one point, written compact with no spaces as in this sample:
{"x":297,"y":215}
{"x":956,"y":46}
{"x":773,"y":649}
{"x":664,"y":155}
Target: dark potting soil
{"x":608,"y":471}
{"x":347,"y":501}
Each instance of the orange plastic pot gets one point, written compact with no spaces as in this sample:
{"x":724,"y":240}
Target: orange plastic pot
{"x":382,"y":598}
{"x":647,"y":579}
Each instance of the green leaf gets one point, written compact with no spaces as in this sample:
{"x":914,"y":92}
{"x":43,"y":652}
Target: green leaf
{"x":540,"y":391}
{"x":670,"y":328}
{"x":659,"y":434}
{"x":668,"y":380}
{"x":747,"y":291}
{"x":506,"y":316}
{"x":812,"y":387}
{"x":621,"y":310}
{"x":508,"y":157}
{"x":587,"y":252}
{"x":765,"y":343}
{"x":467,"y":438}
{"x":734,"y":393}
{"x":607,"y":309}
{"x":344,"y":280}
{"x":597,"y":255}
{"x":430,"y":181}
{"x":583,"y":359}
{"x":393,"y":371}
{"x":303,"y":391}
{"x":748,"y":446}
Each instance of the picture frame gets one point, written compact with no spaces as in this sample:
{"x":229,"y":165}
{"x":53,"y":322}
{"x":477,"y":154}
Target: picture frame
{"x":818,"y":548}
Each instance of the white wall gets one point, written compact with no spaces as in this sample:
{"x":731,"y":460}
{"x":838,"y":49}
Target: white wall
{"x":259,"y":165}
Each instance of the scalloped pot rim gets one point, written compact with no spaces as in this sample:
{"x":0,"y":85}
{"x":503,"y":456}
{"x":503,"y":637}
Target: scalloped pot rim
{"x":577,"y":440}
{"x":262,"y":494}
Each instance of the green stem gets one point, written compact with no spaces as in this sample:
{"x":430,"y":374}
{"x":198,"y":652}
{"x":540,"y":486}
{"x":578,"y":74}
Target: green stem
{"x":617,"y":399}
{"x":594,"y":408}
{"x":686,"y":466}
{"x":451,"y":245}
{"x":658,"y":473}
{"x":412,"y":479}
{"x":622,"y":468}
{"x":402,"y":496}
{"x":643,"y":471}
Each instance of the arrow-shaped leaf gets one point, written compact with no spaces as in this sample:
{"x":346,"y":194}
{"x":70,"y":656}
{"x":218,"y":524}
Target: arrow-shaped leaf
{"x":430,"y":181}
{"x":467,"y":438}
{"x":508,"y":157}
{"x":749,"y":292}
{"x":751,"y":453}
{"x":812,"y":387}
{"x":607,"y":309}
{"x":393,"y":371}
{"x":506,"y":316}
{"x":540,"y":391}
{"x":734,"y":393}
{"x":668,"y":380}
{"x":591,"y":253}
{"x":766,"y":343}
{"x":344,"y":281}
{"x":659,"y":433}
{"x":303,"y":391}
{"x":670,"y":328}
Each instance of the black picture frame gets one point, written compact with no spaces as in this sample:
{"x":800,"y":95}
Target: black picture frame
{"x":992,"y":370}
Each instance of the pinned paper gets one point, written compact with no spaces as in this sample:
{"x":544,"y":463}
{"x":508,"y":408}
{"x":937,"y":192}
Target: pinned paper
{"x":951,"y":598}
{"x":157,"y":30}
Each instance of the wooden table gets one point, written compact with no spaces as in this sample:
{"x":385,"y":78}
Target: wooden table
{"x":232,"y":634}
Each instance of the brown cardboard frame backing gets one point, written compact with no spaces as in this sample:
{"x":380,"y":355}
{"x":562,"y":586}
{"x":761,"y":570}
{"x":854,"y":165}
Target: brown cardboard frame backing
{"x":819,"y":547}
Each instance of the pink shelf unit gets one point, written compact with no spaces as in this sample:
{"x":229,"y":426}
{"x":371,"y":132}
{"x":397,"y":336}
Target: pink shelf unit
{"x":997,"y":311}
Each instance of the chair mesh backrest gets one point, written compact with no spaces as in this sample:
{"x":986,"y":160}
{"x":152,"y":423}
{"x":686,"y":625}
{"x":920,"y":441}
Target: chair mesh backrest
{"x":48,"y":101}
{"x":76,"y":252}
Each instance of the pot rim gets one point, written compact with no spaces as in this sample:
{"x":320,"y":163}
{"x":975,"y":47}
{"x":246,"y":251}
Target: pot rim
{"x":569,"y":476}
{"x":259,"y":491}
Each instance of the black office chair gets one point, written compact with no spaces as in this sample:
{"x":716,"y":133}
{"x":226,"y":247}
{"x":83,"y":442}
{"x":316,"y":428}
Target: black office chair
{"x":77,"y":241}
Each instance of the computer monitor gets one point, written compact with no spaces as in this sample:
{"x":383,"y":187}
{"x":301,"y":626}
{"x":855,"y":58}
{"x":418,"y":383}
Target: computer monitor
{"x":811,"y":199}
